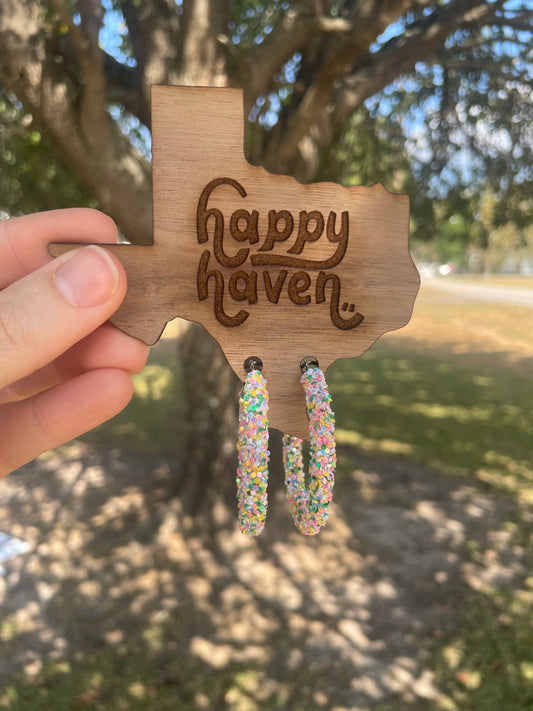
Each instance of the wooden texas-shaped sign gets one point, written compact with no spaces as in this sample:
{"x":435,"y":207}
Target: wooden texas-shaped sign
{"x":271,"y":267}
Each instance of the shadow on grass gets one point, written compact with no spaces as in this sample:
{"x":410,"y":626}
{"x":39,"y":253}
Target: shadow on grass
{"x":415,"y":597}
{"x":125,"y":603}
{"x":469,"y":414}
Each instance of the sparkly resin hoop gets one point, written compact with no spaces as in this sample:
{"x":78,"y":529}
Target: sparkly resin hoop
{"x":252,"y":446}
{"x":309,"y":505}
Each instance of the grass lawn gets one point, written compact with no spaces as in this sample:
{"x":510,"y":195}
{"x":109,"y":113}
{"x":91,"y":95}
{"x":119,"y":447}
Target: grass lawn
{"x":508,"y":280}
{"x":453,"y":390}
{"x":446,"y":393}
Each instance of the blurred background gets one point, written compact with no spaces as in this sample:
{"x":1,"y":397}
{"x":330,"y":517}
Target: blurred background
{"x":125,"y":583}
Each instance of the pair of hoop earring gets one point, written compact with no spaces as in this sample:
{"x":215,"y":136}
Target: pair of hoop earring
{"x":309,"y":504}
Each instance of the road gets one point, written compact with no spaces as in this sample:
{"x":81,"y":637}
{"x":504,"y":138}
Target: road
{"x":482,"y":292}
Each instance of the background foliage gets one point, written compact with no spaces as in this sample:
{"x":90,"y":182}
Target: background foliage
{"x":429,"y":98}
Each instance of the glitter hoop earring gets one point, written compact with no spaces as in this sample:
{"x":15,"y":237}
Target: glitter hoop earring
{"x":309,"y":505}
{"x":252,"y":446}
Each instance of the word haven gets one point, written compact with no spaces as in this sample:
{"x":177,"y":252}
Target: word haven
{"x":307,"y":280}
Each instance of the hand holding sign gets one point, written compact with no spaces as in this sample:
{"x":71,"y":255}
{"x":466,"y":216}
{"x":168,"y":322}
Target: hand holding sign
{"x":269,"y":266}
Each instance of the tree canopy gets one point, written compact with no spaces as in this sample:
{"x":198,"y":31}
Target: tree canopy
{"x":433,"y":98}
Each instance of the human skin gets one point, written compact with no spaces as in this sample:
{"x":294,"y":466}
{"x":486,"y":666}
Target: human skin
{"x":63,"y":368}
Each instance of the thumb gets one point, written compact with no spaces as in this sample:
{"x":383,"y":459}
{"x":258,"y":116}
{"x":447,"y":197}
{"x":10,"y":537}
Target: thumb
{"x":49,"y":310}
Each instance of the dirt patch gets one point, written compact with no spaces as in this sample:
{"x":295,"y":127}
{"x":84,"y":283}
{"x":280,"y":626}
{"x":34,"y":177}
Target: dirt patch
{"x":340,"y":621}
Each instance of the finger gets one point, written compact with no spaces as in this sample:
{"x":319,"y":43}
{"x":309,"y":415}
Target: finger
{"x":107,"y":347}
{"x":45,"y":421}
{"x":43,"y":314}
{"x":24,"y":240}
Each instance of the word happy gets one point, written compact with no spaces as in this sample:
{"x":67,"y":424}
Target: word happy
{"x":302,"y":287}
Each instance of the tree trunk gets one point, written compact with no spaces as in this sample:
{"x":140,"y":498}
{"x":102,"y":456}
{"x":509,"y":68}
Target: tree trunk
{"x":209,"y":459}
{"x":208,"y":463}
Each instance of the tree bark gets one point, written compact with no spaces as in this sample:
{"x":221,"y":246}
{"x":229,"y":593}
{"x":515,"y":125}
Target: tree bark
{"x":74,"y":115}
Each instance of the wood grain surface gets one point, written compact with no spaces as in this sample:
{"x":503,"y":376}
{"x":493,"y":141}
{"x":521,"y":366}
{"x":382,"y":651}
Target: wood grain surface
{"x":270,"y":267}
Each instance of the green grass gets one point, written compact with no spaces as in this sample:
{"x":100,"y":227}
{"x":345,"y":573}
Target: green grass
{"x":441,"y":401}
{"x":130,"y":680}
{"x":488,"y":664}
{"x":121,"y":682}
{"x":466,"y":420}
{"x":452,"y":391}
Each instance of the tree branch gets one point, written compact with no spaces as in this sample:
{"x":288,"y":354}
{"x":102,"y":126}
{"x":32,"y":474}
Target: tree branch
{"x":94,"y":119}
{"x":154,"y":32}
{"x":84,"y":40}
{"x":521,"y":24}
{"x":300,"y":24}
{"x":118,"y":176}
{"x":364,"y":74}
{"x":75,"y":34}
{"x":202,"y":58}
{"x":124,"y":86}
{"x":417,"y":43}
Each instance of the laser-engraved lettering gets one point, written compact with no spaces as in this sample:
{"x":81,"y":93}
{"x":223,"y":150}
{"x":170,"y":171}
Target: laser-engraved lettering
{"x":336,"y":318}
{"x":273,"y":291}
{"x":202,"y":279}
{"x":305,"y":234}
{"x":298,"y":283}
{"x":247,"y":233}
{"x":275,"y":234}
{"x":241,"y":285}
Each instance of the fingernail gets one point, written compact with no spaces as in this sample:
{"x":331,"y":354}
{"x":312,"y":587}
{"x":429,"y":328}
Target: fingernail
{"x":88,"y":278}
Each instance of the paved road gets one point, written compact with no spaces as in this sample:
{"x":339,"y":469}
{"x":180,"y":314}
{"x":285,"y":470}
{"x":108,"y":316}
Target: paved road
{"x":482,"y":292}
